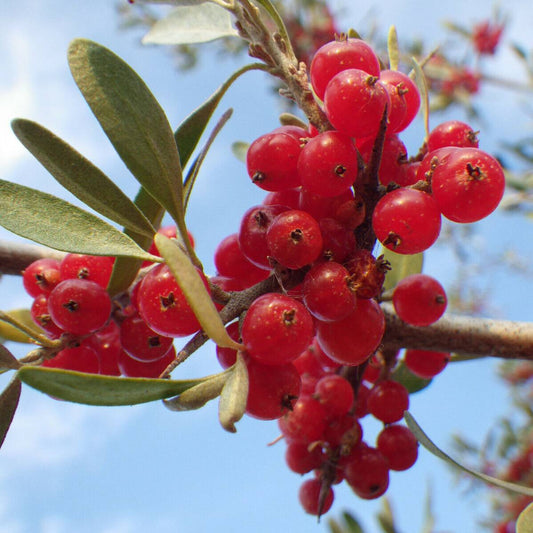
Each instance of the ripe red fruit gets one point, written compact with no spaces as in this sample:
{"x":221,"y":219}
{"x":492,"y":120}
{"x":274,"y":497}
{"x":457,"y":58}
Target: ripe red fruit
{"x":327,"y":293}
{"x":388,"y":400}
{"x":306,"y":421}
{"x":309,"y":496}
{"x":419,"y":299}
{"x":425,"y":363}
{"x":163,"y":306}
{"x":354,"y":103}
{"x":336,"y":56}
{"x":335,"y":394}
{"x":95,"y":268}
{"x":328,"y":164}
{"x":138,"y":369}
{"x":399,"y":446}
{"x":273,"y":390}
{"x":301,"y":458}
{"x":407,"y":91}
{"x":276,"y":329}
{"x":294,"y":239}
{"x":41,"y":276}
{"x":367,"y":472}
{"x":469,"y":187}
{"x":352,"y":340}
{"x":141,"y":342}
{"x":271,"y":161}
{"x":452,"y":133}
{"x":41,"y":316}
{"x":406,"y":221}
{"x":79,"y":306}
{"x":252,"y":233}
{"x":79,"y":358}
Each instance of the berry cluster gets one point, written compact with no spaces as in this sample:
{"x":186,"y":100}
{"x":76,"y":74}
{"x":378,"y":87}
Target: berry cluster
{"x":106,"y":336}
{"x":312,"y":344}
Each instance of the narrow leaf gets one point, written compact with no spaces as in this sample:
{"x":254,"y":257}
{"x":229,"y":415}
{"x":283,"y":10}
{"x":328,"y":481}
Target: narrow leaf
{"x":432,"y":448}
{"x":401,"y":266}
{"x":191,"y":129}
{"x":524,"y":524}
{"x":79,"y":176}
{"x":7,"y":360}
{"x":334,"y":526}
{"x":234,"y":396}
{"x":199,"y":23}
{"x":352,"y":524}
{"x":239,"y":149}
{"x":288,"y":119}
{"x":197,"y":396}
{"x":393,"y":48}
{"x":385,"y":517}
{"x":93,"y":389}
{"x":195,"y":168}
{"x":9,"y":400}
{"x":421,"y":83}
{"x":48,"y":220}
{"x":9,"y":332}
{"x":411,"y":382}
{"x":133,"y":121}
{"x":195,"y":292}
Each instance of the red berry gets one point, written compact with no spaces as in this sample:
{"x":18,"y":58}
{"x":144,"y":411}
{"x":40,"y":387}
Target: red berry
{"x":452,"y":133}
{"x":387,"y":401}
{"x":327,"y":292}
{"x":79,"y":358}
{"x":335,"y":394}
{"x":273,"y":390}
{"x":406,"y":221}
{"x":399,"y":445}
{"x":141,"y":342}
{"x":138,"y":369}
{"x":271,"y":161}
{"x":309,"y":496}
{"x":163,"y":306}
{"x":294,"y":239}
{"x":426,"y":364}
{"x":469,"y":186}
{"x":328,"y":164}
{"x":302,"y":458}
{"x":41,"y":276}
{"x":276,"y":329}
{"x":354,"y":103}
{"x":95,"y":268}
{"x":367,"y":472}
{"x":79,"y":306}
{"x":336,"y":56}
{"x":352,"y":340}
{"x":41,"y":316}
{"x":419,"y":300}
{"x":306,"y":422}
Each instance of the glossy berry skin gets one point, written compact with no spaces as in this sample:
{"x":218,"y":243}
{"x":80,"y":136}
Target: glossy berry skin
{"x":406,"y":221}
{"x":232,"y":263}
{"x":367,"y":472}
{"x":327,"y":165}
{"x":79,"y":306}
{"x":276,"y":329}
{"x":302,"y":460}
{"x":41,"y":316}
{"x":336,"y":56}
{"x":306,"y":422}
{"x":426,"y":364}
{"x":354,"y":103}
{"x":327,"y":293}
{"x":163,"y":306}
{"x":294,"y":239}
{"x":141,"y":342}
{"x":452,"y":133}
{"x":138,"y":369}
{"x":399,"y":446}
{"x":91,"y":267}
{"x":335,"y":394}
{"x":309,"y":496}
{"x":273,"y":390}
{"x":419,"y":300}
{"x":387,"y":401}
{"x":352,"y":340}
{"x":228,"y":356}
{"x":407,"y":91}
{"x":41,"y":276}
{"x":271,"y":161}
{"x":79,"y":359}
{"x":253,"y":230}
{"x":469,"y":187}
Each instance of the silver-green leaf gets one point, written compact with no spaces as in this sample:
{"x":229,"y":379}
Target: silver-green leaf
{"x":81,"y":177}
{"x":234,"y":395}
{"x":51,"y":221}
{"x":198,"y":23}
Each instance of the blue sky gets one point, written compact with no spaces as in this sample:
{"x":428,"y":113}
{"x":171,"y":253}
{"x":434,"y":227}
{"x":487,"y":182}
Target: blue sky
{"x":130,"y":470}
